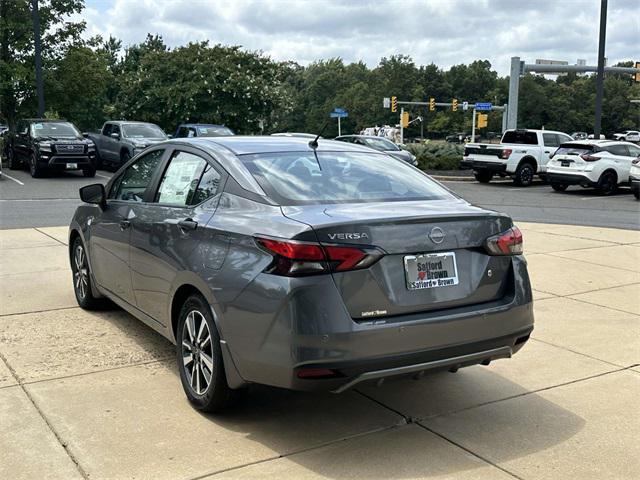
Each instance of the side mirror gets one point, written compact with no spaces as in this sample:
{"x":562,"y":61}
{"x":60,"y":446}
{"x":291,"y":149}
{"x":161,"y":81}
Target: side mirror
{"x":85,"y":134}
{"x":115,"y":135}
{"x":94,"y":194}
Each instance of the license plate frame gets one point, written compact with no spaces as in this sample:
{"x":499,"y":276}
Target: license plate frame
{"x":433,"y":275}
{"x":71,"y":166}
{"x":565,"y":163}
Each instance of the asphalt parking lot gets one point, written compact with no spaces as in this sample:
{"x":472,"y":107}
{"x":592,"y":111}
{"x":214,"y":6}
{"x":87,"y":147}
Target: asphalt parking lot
{"x":97,"y":395}
{"x":28,"y":202}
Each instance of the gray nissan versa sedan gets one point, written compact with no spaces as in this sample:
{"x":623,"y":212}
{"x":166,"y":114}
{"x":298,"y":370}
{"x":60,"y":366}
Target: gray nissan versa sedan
{"x":299,"y":264}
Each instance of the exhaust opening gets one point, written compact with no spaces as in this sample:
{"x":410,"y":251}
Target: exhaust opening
{"x":522,"y":339}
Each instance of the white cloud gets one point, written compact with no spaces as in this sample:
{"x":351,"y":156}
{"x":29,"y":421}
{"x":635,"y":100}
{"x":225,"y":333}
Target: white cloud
{"x":445,"y":32}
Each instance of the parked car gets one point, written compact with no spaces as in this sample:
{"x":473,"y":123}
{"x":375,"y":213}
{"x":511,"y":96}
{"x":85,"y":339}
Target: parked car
{"x":457,"y":137}
{"x":190,"y":130}
{"x":634,"y":177}
{"x":521,"y":154}
{"x":601,"y":164}
{"x":579,"y":135}
{"x":628,"y":136}
{"x":46,"y":145}
{"x":592,"y":136}
{"x":266,"y":260}
{"x":118,"y":141}
{"x":3,"y":129}
{"x":382,"y":145}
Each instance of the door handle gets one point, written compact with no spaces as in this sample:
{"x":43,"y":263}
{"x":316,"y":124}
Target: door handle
{"x":187,"y":224}
{"x":124,"y":224}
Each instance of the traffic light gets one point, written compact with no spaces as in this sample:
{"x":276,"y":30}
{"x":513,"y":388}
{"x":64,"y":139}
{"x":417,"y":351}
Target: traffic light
{"x":454,"y":104}
{"x":483,"y":119}
{"x":636,"y":77}
{"x":394,"y":104}
{"x":404,"y":120}
{"x":432,"y":104}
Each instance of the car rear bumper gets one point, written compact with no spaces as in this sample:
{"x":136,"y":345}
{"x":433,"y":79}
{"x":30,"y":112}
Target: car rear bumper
{"x":485,"y":166}
{"x":570,"y":179}
{"x":307,"y":327}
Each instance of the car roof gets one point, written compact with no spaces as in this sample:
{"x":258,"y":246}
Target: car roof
{"x":43,"y":120}
{"x":363,"y":136}
{"x":245,"y":145}
{"x":123,"y":122}
{"x":599,"y":143}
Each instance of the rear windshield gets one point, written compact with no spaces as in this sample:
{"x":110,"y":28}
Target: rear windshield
{"x":380,"y":144}
{"x":572,"y":149}
{"x":520,"y":137}
{"x":135,"y":130}
{"x":301,"y":178}
{"x":214,"y":132}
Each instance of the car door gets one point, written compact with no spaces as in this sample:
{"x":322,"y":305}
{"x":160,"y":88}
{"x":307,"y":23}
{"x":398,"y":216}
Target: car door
{"x":551,"y":143}
{"x":105,"y":143}
{"x":624,"y":155}
{"x":170,"y":235}
{"x":111,"y":232}
{"x":21,"y":142}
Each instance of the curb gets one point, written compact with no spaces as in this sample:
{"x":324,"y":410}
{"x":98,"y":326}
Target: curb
{"x":448,"y":178}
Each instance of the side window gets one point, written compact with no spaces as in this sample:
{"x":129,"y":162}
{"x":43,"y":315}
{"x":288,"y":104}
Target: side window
{"x":106,"y":130}
{"x":191,"y":132}
{"x":134,"y":181}
{"x":633,"y":150}
{"x":564,"y":138}
{"x":550,"y":139}
{"x":209,"y":185}
{"x":180,"y":179}
{"x":182,"y":132}
{"x":115,"y":129}
{"x":618,"y":150}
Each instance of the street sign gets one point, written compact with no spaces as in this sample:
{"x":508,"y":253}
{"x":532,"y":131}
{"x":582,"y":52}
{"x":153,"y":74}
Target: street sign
{"x":483,"y":106}
{"x":465,"y":106}
{"x":386,"y":102}
{"x":335,"y":114}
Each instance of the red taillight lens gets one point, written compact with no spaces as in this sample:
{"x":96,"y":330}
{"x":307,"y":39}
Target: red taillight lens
{"x":292,"y":259}
{"x":506,"y":153}
{"x":318,"y":373}
{"x":589,"y":158}
{"x":505,"y":243}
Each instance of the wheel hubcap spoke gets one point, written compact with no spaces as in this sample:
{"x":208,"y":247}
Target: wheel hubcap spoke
{"x":197,"y":352}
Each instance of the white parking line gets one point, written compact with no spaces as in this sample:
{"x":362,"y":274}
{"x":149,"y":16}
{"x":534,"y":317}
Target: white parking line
{"x":599,"y":198}
{"x":11,"y":178}
{"x":103,"y":176}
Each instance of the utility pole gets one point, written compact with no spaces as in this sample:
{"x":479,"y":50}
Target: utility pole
{"x":38,"y":55}
{"x":600,"y":78}
{"x":401,"y":126}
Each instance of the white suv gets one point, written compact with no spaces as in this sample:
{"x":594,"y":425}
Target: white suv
{"x":629,"y":136}
{"x":603,"y":164}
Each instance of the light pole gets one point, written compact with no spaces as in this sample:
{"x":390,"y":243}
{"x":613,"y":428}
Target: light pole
{"x":38,"y":56}
{"x":600,"y":76}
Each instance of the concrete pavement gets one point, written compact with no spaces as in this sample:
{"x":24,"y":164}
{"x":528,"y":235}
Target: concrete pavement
{"x":96,"y":394}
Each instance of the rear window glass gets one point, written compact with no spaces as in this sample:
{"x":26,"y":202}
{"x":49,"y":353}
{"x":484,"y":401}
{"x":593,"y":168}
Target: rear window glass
{"x":214,"y":132}
{"x":301,"y":178}
{"x":574,"y":149}
{"x":141,"y":130}
{"x":380,"y":144}
{"x":519,"y":137}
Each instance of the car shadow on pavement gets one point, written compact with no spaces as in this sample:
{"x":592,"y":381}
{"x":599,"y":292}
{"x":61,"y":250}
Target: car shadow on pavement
{"x":397,"y":430}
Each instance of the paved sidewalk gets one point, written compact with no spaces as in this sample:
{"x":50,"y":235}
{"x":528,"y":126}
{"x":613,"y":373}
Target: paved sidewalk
{"x":96,"y":395}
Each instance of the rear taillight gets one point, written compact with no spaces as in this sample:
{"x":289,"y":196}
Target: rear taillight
{"x":589,"y":158}
{"x":294,"y":259}
{"x":506,"y":153}
{"x":505,"y":243}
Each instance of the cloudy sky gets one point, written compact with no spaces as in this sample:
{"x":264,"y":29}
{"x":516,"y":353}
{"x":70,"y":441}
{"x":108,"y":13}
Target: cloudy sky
{"x":445,"y":32}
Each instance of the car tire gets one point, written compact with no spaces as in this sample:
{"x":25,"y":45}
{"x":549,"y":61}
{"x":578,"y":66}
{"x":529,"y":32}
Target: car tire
{"x":82,"y":283}
{"x":200,"y":360}
{"x":36,"y":170}
{"x":524,"y":174}
{"x":608,"y":183}
{"x":483,"y":177}
{"x":89,"y":172}
{"x":636,"y":193}
{"x":559,"y":187}
{"x":12,"y":162}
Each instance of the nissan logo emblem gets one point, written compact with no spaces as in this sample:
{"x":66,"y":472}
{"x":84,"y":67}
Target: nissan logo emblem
{"x":437,"y":235}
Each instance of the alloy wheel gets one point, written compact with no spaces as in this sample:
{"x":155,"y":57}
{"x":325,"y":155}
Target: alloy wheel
{"x":197,"y":352}
{"x":81,"y":272}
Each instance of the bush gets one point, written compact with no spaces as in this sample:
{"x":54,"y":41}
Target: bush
{"x":437,"y":155}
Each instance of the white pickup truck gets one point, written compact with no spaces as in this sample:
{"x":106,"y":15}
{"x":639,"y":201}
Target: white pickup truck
{"x":521,"y":154}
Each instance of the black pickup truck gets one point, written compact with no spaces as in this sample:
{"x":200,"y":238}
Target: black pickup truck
{"x":49,"y":145}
